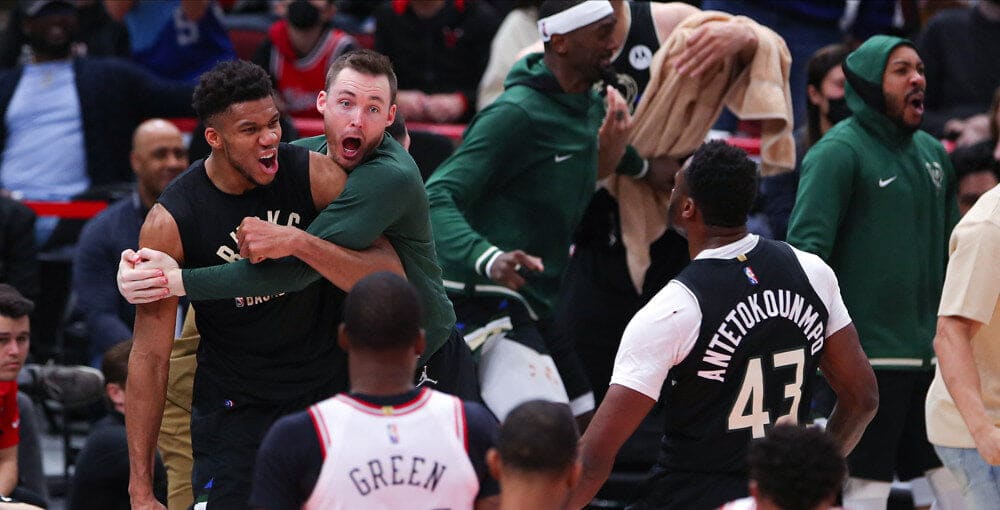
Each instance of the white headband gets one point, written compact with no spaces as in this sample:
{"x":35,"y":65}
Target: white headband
{"x":580,"y":15}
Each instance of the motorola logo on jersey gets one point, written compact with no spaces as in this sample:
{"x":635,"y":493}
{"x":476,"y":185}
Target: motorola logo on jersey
{"x":640,"y":57}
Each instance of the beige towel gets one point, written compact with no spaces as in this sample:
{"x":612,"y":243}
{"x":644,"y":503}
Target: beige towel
{"x":676,"y":113}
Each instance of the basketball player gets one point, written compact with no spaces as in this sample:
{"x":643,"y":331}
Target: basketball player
{"x":383,"y":196}
{"x":260,"y":356}
{"x":739,"y":331}
{"x":386,"y":444}
{"x":535,"y":460}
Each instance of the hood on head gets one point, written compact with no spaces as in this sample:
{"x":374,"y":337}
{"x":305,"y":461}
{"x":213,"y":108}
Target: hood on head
{"x":864,"y":68}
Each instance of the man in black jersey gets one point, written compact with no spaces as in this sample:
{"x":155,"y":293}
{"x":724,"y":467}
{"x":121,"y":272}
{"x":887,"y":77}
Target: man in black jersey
{"x":260,"y":356}
{"x":738,"y":332}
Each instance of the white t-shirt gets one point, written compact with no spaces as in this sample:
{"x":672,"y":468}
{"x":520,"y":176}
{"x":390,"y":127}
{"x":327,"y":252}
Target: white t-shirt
{"x":664,"y":332}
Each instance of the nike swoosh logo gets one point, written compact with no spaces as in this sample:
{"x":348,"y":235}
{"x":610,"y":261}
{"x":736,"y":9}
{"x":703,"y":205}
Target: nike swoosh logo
{"x":885,"y":182}
{"x":560,"y":159}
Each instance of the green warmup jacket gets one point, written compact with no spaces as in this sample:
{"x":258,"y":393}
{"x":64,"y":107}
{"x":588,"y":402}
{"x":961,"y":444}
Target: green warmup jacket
{"x":521,"y":179}
{"x":383,"y":195}
{"x":877,"y":202}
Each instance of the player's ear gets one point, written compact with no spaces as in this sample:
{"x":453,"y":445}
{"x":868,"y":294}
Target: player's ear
{"x":321,"y":102}
{"x":213,"y":137}
{"x":392,"y":116}
{"x":575,"y":471}
{"x":688,"y":208}
{"x":493,"y":462}
{"x":342,"y":337}
{"x":421,"y":343}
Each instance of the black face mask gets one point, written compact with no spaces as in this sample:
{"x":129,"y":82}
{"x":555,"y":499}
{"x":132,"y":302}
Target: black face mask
{"x":837,"y":110}
{"x":302,"y":14}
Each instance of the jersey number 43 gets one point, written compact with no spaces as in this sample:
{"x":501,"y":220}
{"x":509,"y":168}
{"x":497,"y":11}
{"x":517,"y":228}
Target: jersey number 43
{"x":748,"y":411}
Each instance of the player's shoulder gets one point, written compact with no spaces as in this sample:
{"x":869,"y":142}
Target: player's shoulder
{"x":291,"y":429}
{"x":478,"y":415}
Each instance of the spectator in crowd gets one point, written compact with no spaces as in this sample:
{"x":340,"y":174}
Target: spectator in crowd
{"x":960,"y":48}
{"x":793,"y":468}
{"x":518,"y":30}
{"x":977,"y":167}
{"x":334,"y":455}
{"x":535,"y":459}
{"x":505,"y":204}
{"x":976,"y":172}
{"x":399,"y":132}
{"x":174,"y":39}
{"x":85,"y":106}
{"x":439,"y":49}
{"x":299,"y":49}
{"x":158,"y":155}
{"x":97,"y":35}
{"x":734,"y":346}
{"x":807,"y":26}
{"x":963,"y":403}
{"x":872,"y":189}
{"x":825,"y":107}
{"x":243,"y":384}
{"x":15,"y":339}
{"x":100,"y":475}
{"x":18,"y":262}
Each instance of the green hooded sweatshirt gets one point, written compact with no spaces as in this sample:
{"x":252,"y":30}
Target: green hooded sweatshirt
{"x":877,"y":202}
{"x":521,"y":179}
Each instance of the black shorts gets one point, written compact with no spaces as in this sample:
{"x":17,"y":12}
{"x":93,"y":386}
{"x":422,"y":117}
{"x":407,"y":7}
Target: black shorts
{"x":225,"y":439}
{"x":665,"y":490}
{"x":452,"y":370}
{"x":895,"y":442}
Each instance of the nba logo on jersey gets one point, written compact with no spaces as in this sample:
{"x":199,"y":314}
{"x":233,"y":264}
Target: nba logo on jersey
{"x":393,"y":433}
{"x":750,"y":275}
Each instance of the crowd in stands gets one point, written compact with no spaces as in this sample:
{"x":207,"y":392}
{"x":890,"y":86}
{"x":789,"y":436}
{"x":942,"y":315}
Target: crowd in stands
{"x":873,"y":128}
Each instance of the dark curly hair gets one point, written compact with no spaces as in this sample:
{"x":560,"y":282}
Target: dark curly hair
{"x":797,"y":467}
{"x":229,"y":83}
{"x":13,"y":305}
{"x":722,"y":180}
{"x":539,"y":436}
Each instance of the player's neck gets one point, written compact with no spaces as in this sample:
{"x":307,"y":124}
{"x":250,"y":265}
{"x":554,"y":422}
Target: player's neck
{"x":570,"y":81}
{"x":710,"y":237}
{"x":518,"y":494}
{"x":379,"y":376}
{"x":225,"y":177}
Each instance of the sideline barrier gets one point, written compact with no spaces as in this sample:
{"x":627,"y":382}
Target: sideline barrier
{"x":72,"y":210}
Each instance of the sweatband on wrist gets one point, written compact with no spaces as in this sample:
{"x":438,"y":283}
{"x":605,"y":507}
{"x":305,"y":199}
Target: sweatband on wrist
{"x":578,"y":16}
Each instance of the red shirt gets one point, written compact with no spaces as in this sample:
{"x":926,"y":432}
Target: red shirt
{"x":10,"y":418}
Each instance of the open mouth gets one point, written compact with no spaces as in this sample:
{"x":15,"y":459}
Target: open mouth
{"x":269,"y":163}
{"x":915,"y":100}
{"x":351,"y":146}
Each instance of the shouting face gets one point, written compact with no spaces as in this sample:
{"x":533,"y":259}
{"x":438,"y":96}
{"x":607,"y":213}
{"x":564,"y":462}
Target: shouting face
{"x":356,"y":109}
{"x":903,"y":85}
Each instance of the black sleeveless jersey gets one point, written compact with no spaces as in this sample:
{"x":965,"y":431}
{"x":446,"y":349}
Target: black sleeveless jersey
{"x":761,"y":338}
{"x":256,"y":348}
{"x":632,"y":64}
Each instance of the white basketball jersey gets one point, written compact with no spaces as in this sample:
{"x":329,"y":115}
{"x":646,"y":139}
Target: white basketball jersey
{"x":412,"y":456}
